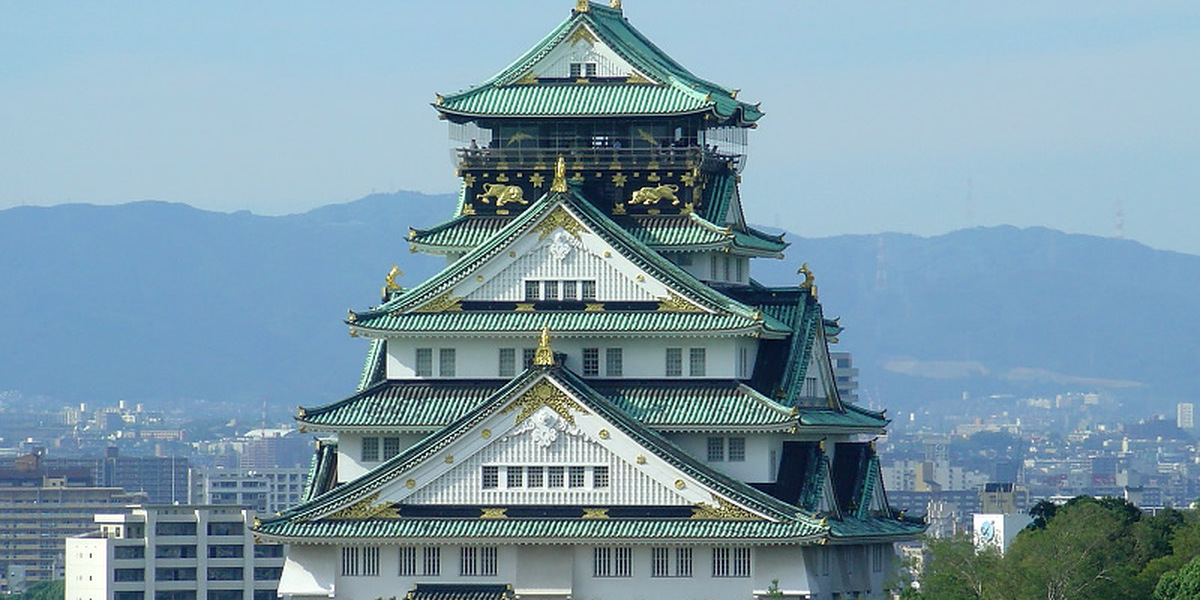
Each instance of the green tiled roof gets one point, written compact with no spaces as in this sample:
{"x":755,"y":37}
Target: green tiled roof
{"x":672,"y":89}
{"x":665,"y":405}
{"x":322,"y":474}
{"x":461,"y":591}
{"x":850,"y":416}
{"x":660,"y":232}
{"x":375,"y":367}
{"x":725,"y":314}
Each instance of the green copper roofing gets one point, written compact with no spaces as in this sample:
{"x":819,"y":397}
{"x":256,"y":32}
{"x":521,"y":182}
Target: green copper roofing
{"x":322,"y":473}
{"x":722,"y":312}
{"x":670,"y":89}
{"x":461,"y":591}
{"x":689,"y":232}
{"x":375,"y":367}
{"x":718,"y":196}
{"x":665,"y":405}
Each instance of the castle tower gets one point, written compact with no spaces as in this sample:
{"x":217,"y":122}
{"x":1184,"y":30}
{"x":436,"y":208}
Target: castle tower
{"x":593,"y":399}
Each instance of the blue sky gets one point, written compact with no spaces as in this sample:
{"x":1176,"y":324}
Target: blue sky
{"x":920,"y":117}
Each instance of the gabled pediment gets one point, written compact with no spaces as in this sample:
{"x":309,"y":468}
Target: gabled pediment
{"x":582,"y":54}
{"x":545,"y":418}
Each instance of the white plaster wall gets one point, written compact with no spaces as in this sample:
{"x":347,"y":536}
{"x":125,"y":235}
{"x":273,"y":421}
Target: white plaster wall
{"x":641,"y":358}
{"x":350,"y":463}
{"x":558,"y":62}
{"x":612,"y":282}
{"x":757,"y":467}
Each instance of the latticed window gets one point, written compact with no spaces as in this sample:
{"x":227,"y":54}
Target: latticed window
{"x":514,"y":477}
{"x":350,"y":561}
{"x":622,"y":562}
{"x":468,"y":561}
{"x":527,"y":355}
{"x":424,"y":362}
{"x":491,"y":477}
{"x":588,"y":290}
{"x":697,"y":363}
{"x":600,"y":477}
{"x":591,"y":362}
{"x":716,"y":449}
{"x":446,"y":358}
{"x":408,"y":561}
{"x":731,"y":562}
{"x":433,"y":561}
{"x":370,"y":561}
{"x":554,"y":477}
{"x":533,"y":291}
{"x":479,"y":562}
{"x":550,"y":290}
{"x":391,"y":447}
{"x":487,"y":561}
{"x":612,"y":562}
{"x":576,"y":475}
{"x":602,"y":562}
{"x":370,"y":449}
{"x":737,"y":449}
{"x":613,"y":362}
{"x":570,"y":290}
{"x":660,"y":562}
{"x":537,"y":476}
{"x":508,"y":362}
{"x":674,"y":362}
{"x":683,"y":562}
{"x":741,"y":562}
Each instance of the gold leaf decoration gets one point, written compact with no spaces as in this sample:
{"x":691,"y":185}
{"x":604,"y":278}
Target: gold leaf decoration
{"x":558,"y":218}
{"x":675,"y":303}
{"x":443,"y":303}
{"x":366,"y":509}
{"x":595,"y":513}
{"x":544,"y":393}
{"x":723,"y":510}
{"x":590,"y":307}
{"x":493,"y":513}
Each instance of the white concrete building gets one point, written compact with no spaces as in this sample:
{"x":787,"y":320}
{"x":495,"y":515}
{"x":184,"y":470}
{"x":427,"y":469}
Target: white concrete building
{"x":265,"y":490}
{"x":173,"y":552}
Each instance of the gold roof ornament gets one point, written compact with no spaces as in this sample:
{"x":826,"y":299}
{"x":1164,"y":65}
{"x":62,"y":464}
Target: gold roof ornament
{"x":809,"y":282}
{"x":615,"y":4}
{"x":581,"y":5}
{"x":544,"y":355}
{"x":560,"y":176}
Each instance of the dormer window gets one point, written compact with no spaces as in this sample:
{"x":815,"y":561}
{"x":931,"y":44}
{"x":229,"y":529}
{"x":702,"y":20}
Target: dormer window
{"x":580,"y":70}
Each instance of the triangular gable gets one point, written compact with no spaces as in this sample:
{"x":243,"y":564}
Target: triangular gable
{"x":578,"y":412}
{"x":582,"y":46}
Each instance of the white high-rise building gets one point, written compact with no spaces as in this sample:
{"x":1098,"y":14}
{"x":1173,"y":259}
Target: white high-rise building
{"x":1184,"y":415}
{"x":173,"y":552}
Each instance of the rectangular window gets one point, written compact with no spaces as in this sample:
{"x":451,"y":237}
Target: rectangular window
{"x":601,"y":562}
{"x":527,"y":355}
{"x":697,"y":362}
{"x":225,"y":528}
{"x":408,"y":561}
{"x":446,"y":362}
{"x":268,"y":551}
{"x":350,"y":565}
{"x":740,"y":269}
{"x":224,"y":595}
{"x":737,"y":449}
{"x":370,"y":561}
{"x":174,"y":551}
{"x":613,"y":366}
{"x":589,"y":69}
{"x":424,"y":362}
{"x":533,"y":291}
{"x":731,"y":562}
{"x":263,"y":595}
{"x":224,"y":573}
{"x":744,"y":363}
{"x":622,"y":562}
{"x":877,"y":557}
{"x":169,"y":528}
{"x":683,"y":562}
{"x":391,"y":447}
{"x":600,"y":477}
{"x":576,"y":475}
{"x":591,"y":362}
{"x":491,"y":477}
{"x":508,"y":362}
{"x":741,"y":562}
{"x":713,"y":265}
{"x":514,"y":477}
{"x":727,"y":277}
{"x":537,"y":477}
{"x":479,"y":562}
{"x":576,"y":70}
{"x":554,"y":477}
{"x":570,"y":290}
{"x":674,"y":362}
{"x":716,"y":449}
{"x":432,"y":561}
{"x":129,"y":574}
{"x":550,"y":290}
{"x":720,"y":562}
{"x":122,"y":552}
{"x":135,"y":595}
{"x":588,"y":290}
{"x":225,"y":551}
{"x":175,"y":574}
{"x":660,"y":562}
{"x":370,"y":449}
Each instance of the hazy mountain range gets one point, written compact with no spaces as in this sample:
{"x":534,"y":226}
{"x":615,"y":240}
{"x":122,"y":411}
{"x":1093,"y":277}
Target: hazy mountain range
{"x":151,"y":300}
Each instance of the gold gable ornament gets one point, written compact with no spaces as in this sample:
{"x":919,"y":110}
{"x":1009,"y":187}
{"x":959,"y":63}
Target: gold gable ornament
{"x":560,"y":176}
{"x":544,"y":355}
{"x":366,"y":509}
{"x":544,"y":393}
{"x":723,"y":511}
{"x":809,"y":282}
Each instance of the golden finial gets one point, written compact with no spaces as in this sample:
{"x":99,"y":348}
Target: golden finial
{"x":581,"y":5}
{"x":391,"y":285}
{"x":615,"y":4}
{"x":809,"y":279}
{"x":544,"y":356}
{"x":560,"y":176}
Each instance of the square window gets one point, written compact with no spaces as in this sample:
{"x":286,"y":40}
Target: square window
{"x":576,"y":70}
{"x":424,"y":362}
{"x":589,"y":69}
{"x":716,"y":449}
{"x":570,"y":290}
{"x":391,"y":447}
{"x":613,"y":362}
{"x":674,"y":362}
{"x":554,"y":477}
{"x":446,"y":358}
{"x":370,"y":449}
{"x":588,"y":289}
{"x":508,"y":362}
{"x":737,"y":449}
{"x":527,"y":355}
{"x":537,"y":476}
{"x":591,"y":362}
{"x":533,"y":291}
{"x":576,"y":475}
{"x":514,"y":477}
{"x":600,"y":477}
{"x":550,"y":289}
{"x":697,"y":362}
{"x":491,"y":477}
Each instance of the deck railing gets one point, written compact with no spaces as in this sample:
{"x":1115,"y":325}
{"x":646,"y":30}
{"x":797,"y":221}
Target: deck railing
{"x":667,"y":158}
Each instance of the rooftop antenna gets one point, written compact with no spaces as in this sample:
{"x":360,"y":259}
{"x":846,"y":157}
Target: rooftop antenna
{"x":1120,"y":221}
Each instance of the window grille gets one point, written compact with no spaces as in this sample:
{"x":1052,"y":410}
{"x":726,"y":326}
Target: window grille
{"x":533,"y":291}
{"x":622,"y":562}
{"x":613,"y":366}
{"x":370,"y":561}
{"x":602,"y":562}
{"x":478,"y":562}
{"x":391,"y":447}
{"x":741,"y":562}
{"x":737,"y":449}
{"x":491,"y":477}
{"x":537,"y":477}
{"x":408,"y":561}
{"x":487,"y":561}
{"x":591,"y":362}
{"x":527,"y":355}
{"x":720,"y":562}
{"x":588,"y":290}
{"x":350,"y":561}
{"x":570,"y":290}
{"x":660,"y":559}
{"x":674,"y":362}
{"x":370,"y":449}
{"x":550,"y":289}
{"x":433,"y":561}
{"x":697,"y":362}
{"x":468,"y":562}
{"x":554,"y":477}
{"x":514,"y":477}
{"x":576,"y":475}
{"x":683,"y":562}
{"x":446,"y":361}
{"x":716,"y":449}
{"x":508,"y":362}
{"x":600,"y":477}
{"x":424,"y":362}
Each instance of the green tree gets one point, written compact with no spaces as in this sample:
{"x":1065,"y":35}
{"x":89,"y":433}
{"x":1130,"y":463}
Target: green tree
{"x":1084,"y":552}
{"x":1181,"y":584}
{"x":955,"y":571}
